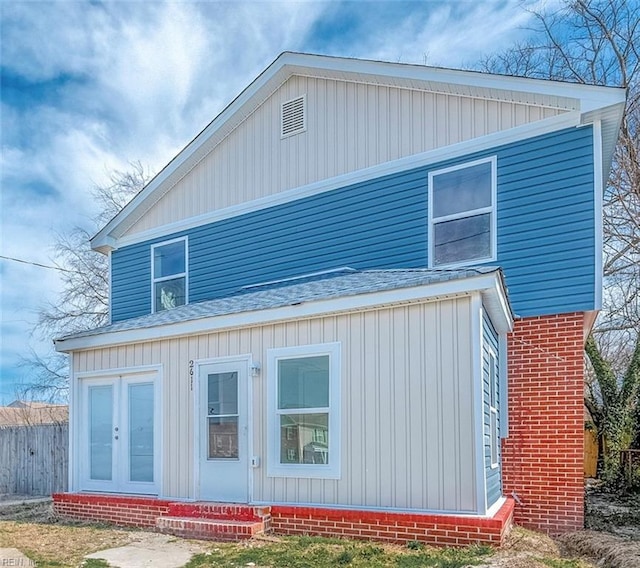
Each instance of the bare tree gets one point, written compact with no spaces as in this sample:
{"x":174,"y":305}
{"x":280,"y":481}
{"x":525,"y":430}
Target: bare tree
{"x":598,"y":42}
{"x":83,"y":302}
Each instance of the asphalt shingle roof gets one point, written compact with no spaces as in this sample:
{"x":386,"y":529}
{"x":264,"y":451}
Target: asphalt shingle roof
{"x":331,"y":285}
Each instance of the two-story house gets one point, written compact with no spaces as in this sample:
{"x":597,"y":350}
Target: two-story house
{"x":355,"y":304}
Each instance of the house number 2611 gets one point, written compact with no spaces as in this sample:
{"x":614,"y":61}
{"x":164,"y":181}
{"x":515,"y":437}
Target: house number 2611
{"x":191,"y":373}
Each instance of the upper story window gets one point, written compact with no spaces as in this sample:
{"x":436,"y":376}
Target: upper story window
{"x":169,"y":274}
{"x":304,"y":411}
{"x":462,"y":219}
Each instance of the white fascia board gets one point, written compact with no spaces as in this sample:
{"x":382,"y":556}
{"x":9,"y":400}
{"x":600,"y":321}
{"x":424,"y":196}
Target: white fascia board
{"x":459,"y":150}
{"x":497,"y":306}
{"x":598,"y":198}
{"x":484,"y":283}
{"x":590,"y":96}
{"x":478,"y":404}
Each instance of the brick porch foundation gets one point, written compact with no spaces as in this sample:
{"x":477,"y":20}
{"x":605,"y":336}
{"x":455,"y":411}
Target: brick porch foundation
{"x":543,"y":455}
{"x":203,"y":520}
{"x":439,"y":530}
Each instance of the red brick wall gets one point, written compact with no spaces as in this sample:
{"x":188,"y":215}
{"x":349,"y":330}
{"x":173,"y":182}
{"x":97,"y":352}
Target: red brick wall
{"x":119,"y":510}
{"x":543,"y":455}
{"x":440,"y":530}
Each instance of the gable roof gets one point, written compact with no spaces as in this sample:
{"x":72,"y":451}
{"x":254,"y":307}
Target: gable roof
{"x":333,"y":292}
{"x":590,"y":102}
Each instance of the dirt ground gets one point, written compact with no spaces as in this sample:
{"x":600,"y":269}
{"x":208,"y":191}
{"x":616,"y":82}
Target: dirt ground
{"x":612,"y":534}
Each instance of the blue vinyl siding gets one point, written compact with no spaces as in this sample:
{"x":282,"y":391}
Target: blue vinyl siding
{"x":493,"y":475}
{"x":546,"y":234}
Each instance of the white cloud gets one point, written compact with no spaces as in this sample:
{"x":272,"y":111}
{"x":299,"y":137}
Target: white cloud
{"x":448,"y":34}
{"x":111,"y":82}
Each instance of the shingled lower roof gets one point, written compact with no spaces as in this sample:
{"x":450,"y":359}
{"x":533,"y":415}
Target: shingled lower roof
{"x":343,"y":283}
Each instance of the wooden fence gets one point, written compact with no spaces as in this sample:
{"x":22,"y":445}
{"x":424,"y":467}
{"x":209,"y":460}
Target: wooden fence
{"x":34,"y":459}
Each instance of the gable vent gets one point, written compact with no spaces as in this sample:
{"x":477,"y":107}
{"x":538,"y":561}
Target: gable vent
{"x":293,"y":117}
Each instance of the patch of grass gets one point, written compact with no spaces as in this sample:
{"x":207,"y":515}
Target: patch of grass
{"x":415,"y":545}
{"x":95,"y":563}
{"x":302,"y":552}
{"x":48,"y":563}
{"x":59,"y":545}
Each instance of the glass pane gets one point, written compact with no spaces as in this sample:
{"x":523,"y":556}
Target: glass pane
{"x":462,"y":239}
{"x":169,"y":294}
{"x":462,"y":190}
{"x":223,"y":438}
{"x":304,"y":438}
{"x":168,"y":259}
{"x":100,"y":432}
{"x":223,"y":394}
{"x":303,"y":382}
{"x":141,"y":432}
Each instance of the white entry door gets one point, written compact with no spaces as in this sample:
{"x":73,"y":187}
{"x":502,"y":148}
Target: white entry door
{"x":119,"y":427}
{"x":223,"y":448}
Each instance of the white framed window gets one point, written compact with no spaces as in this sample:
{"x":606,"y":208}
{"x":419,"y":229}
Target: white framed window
{"x":169,"y":274}
{"x":303,"y":385}
{"x":462,"y":213}
{"x":493,"y":408}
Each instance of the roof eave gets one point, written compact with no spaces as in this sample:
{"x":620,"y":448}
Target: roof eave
{"x":490,"y":285}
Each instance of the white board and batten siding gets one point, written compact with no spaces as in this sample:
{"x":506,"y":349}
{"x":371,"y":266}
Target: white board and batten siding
{"x":349,"y":126}
{"x":407,"y":405}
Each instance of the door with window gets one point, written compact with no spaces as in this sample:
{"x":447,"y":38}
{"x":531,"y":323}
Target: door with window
{"x":119,"y":444}
{"x":223,"y":448}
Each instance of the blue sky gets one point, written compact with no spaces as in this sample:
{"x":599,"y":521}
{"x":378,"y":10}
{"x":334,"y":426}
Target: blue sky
{"x":88,"y":87}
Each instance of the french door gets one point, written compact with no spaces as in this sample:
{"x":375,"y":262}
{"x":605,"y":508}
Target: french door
{"x":223,"y":449}
{"x":119,"y":443}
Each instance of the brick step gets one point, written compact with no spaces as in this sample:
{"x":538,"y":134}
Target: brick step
{"x":209,"y":529}
{"x":209,"y":510}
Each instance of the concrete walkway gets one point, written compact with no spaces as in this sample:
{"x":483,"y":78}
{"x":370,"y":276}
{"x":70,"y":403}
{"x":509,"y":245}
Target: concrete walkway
{"x":150,"y":550}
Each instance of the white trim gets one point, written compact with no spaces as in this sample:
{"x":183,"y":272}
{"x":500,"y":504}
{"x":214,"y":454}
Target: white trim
{"x":109,"y":287}
{"x":72,"y":473}
{"x":493,"y":409}
{"x":491,"y":511}
{"x":492,"y":210}
{"x":454,"y":151}
{"x":142,"y":369}
{"x":598,"y":187}
{"x":175,"y":276}
{"x":195,"y":386}
{"x":484,"y":283}
{"x":275,"y":468}
{"x":593,"y":96}
{"x":477,"y":339}
{"x":300,"y":277}
{"x":339,"y":507}
{"x":119,"y":378}
{"x":503,"y":369}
